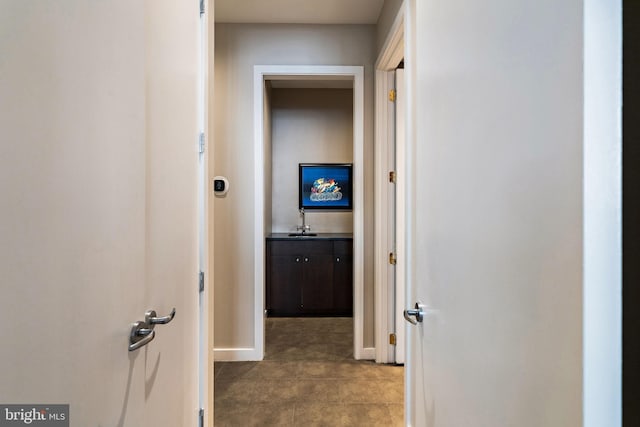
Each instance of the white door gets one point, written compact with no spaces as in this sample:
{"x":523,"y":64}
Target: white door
{"x":98,"y":169}
{"x":495,"y":213}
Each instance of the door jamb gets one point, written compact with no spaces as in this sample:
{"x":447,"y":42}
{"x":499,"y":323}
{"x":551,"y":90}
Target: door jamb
{"x":391,"y":54}
{"x":205,"y":230}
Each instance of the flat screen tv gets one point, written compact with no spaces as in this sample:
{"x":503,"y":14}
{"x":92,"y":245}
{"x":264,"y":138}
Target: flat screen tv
{"x":325,"y":186}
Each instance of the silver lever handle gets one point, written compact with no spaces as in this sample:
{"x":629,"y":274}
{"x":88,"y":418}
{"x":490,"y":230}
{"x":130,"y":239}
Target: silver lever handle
{"x":141,"y":335}
{"x":151,"y":319}
{"x":417,"y":312}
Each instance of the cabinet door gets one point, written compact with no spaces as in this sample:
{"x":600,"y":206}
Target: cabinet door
{"x":284,"y":284}
{"x":343,"y":278}
{"x":317,"y":284}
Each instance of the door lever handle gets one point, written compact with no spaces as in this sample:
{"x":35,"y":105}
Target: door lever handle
{"x":141,"y":335}
{"x":151,"y":318}
{"x":417,"y":312}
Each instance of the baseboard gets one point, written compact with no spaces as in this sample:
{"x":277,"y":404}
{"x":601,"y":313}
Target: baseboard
{"x":368,"y":353}
{"x":236,"y":355}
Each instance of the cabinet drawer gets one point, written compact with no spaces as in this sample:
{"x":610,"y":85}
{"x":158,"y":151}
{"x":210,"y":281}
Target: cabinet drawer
{"x":306,"y":247}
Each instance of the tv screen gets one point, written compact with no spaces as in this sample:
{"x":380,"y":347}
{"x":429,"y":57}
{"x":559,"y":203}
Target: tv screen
{"x":325,"y":186}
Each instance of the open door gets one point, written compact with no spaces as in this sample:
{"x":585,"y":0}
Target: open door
{"x":512,"y":247}
{"x":98,"y":176}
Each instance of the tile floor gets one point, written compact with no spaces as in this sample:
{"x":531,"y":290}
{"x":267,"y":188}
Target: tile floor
{"x":308,"y":378}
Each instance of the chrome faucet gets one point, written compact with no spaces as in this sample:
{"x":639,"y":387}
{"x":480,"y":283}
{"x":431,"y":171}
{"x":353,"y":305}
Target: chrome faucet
{"x":304,"y":227}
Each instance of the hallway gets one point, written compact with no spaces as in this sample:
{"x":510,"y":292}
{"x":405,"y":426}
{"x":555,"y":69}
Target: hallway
{"x":308,"y":378}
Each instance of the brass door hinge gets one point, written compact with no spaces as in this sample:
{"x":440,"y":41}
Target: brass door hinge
{"x":392,"y":177}
{"x":392,"y":339}
{"x":392,"y":258}
{"x":392,"y":95}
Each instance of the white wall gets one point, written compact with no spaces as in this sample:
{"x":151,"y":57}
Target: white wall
{"x":238,"y":48}
{"x":309,"y":126}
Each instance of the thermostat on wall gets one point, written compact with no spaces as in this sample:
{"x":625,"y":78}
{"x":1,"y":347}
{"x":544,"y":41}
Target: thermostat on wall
{"x":220,"y":186}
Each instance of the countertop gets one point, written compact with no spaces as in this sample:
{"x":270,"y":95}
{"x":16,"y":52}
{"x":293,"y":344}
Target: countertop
{"x":319,"y":236}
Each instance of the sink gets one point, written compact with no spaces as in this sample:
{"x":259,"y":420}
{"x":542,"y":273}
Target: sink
{"x":302,"y":234}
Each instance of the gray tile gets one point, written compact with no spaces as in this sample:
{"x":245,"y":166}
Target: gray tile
{"x":273,"y":369}
{"x":234,"y":370}
{"x":371,"y":370}
{"x":318,"y":390}
{"x":276,"y":391}
{"x":396,"y":412}
{"x":217,"y":368}
{"x":340,"y":415}
{"x":321,"y":369}
{"x":370,"y":391}
{"x":308,"y":377}
{"x":231,"y":392}
{"x":258,"y":415}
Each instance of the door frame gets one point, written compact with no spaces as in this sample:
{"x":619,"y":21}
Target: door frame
{"x":206,"y":355}
{"x":391,"y":54}
{"x":261,"y":74}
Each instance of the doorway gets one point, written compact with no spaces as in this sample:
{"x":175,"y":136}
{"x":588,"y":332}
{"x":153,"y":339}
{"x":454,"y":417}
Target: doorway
{"x":264,"y":78}
{"x":308,"y":278}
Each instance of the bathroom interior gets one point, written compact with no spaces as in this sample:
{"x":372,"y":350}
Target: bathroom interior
{"x":308,"y":248}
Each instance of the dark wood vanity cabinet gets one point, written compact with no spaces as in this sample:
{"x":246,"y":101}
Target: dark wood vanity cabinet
{"x":309,"y":276}
{"x":343,"y":276}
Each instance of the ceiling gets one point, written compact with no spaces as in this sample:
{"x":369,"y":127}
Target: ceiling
{"x":298,"y":11}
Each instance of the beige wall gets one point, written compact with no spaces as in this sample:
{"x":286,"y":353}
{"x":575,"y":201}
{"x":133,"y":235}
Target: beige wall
{"x":309,"y":125}
{"x":238,"y":48}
